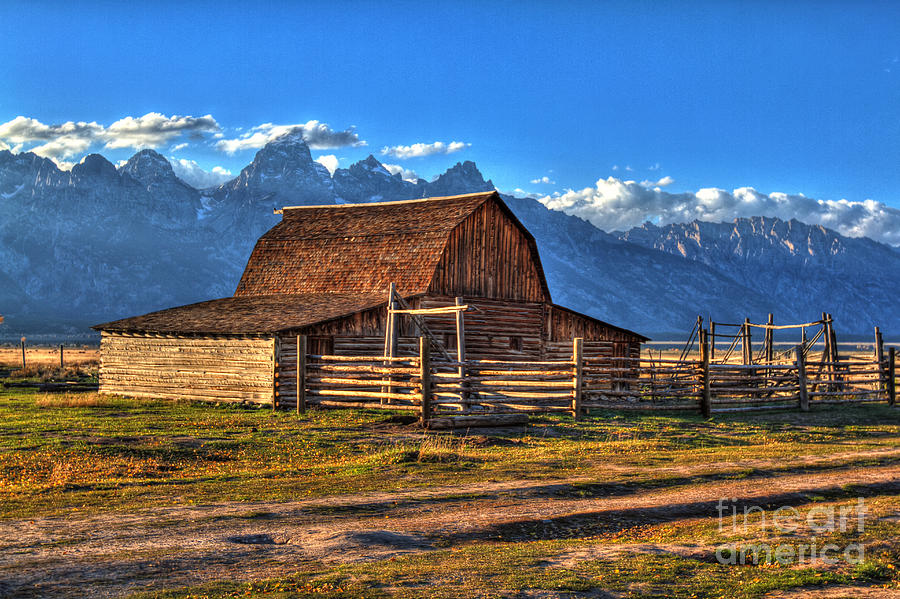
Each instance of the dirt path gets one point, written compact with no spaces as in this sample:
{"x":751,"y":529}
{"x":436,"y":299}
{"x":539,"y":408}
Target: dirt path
{"x":114,"y":554}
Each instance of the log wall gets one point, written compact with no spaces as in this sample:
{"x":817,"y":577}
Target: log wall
{"x":222,"y":369}
{"x":494,"y":329}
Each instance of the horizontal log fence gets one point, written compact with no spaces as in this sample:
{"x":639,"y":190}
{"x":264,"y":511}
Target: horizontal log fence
{"x":476,"y":390}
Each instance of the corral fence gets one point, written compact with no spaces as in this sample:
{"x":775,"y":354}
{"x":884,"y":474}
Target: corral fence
{"x":454,"y":393}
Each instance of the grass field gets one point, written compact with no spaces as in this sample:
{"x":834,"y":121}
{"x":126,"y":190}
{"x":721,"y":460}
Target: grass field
{"x":46,"y":357}
{"x":165,"y":499}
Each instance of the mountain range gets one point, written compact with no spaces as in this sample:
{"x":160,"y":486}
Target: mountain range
{"x":98,"y":243}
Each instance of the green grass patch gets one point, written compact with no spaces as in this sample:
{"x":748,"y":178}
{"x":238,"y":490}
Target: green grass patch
{"x":89,"y":452}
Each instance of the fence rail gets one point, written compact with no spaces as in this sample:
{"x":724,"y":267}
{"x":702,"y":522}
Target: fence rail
{"x":481,"y":389}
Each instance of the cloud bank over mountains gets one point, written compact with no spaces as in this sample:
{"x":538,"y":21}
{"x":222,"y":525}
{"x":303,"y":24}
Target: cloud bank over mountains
{"x":611,"y":204}
{"x":317,"y":135}
{"x":69,"y":139}
{"x":616,"y":205}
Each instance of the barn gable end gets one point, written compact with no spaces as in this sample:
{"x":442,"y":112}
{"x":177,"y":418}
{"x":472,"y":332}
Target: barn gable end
{"x":490,"y":254}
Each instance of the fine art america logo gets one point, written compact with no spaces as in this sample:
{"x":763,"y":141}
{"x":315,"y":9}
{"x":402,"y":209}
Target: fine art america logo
{"x":787,"y":520}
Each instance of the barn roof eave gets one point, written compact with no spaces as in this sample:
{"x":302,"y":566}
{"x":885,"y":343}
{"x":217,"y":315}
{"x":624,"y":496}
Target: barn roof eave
{"x":219,"y":317}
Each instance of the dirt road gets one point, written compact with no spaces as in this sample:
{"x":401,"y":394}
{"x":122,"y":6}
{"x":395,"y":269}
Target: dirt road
{"x":116,"y":553}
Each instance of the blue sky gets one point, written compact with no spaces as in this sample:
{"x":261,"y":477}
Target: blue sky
{"x":800,"y":99}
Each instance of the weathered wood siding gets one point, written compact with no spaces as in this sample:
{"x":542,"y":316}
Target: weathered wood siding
{"x":229,"y":369}
{"x":565,"y":324}
{"x":488,"y":255}
{"x":494,"y":329}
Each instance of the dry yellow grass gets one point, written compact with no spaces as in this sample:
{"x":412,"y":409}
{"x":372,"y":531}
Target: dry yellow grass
{"x":71,"y":400}
{"x":11,"y":357}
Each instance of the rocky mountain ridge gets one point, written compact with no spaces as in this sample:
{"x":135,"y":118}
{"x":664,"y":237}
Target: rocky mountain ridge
{"x":802,"y":268}
{"x":99,"y":243}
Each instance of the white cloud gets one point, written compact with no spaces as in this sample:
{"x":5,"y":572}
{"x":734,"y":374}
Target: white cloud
{"x":154,"y":129}
{"x":655,"y":167}
{"x":178,"y":147}
{"x":543,"y":180}
{"x":613,"y":204}
{"x":194,"y":175}
{"x":60,"y":141}
{"x":405,"y":173}
{"x":319,"y":136}
{"x":419,"y":150}
{"x":664,"y":181}
{"x":71,"y":138}
{"x":329,"y":161}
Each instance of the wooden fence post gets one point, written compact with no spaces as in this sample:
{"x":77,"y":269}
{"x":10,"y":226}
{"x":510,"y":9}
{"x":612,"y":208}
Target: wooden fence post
{"x":390,"y":339}
{"x":23,"y":353}
{"x":578,"y":376}
{"x":425,"y":379}
{"x":801,"y":378}
{"x":706,"y":396}
{"x":712,"y":344}
{"x":62,"y":362}
{"x":879,"y":357}
{"x":276,"y":347}
{"x":747,"y":343}
{"x":836,"y":358}
{"x":461,"y":353}
{"x":301,"y":374}
{"x":892,"y":376}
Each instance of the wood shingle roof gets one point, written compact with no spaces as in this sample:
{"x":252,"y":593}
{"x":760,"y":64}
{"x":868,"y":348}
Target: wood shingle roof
{"x":249,"y":315}
{"x":357,"y":248}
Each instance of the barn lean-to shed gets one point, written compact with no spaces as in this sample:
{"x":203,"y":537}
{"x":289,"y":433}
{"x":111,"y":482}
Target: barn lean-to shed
{"x":324,"y":272}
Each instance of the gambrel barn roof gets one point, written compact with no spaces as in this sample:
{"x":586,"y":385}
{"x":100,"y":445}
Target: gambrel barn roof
{"x":365,"y":247}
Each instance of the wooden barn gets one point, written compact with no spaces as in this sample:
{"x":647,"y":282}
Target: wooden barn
{"x":325,"y":272}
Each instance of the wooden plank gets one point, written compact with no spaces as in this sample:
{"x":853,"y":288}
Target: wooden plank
{"x":449,"y":422}
{"x":301,"y":374}
{"x":567,"y":397}
{"x":276,"y":345}
{"x":640,"y":406}
{"x":461,"y":345}
{"x":359,"y":394}
{"x":395,"y":370}
{"x":892,"y":376}
{"x":371,"y":405}
{"x":879,"y":358}
{"x":706,"y":396}
{"x":348,"y":382}
{"x":747,"y":343}
{"x":658,"y":393}
{"x":578,"y":376}
{"x":362,"y":359}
